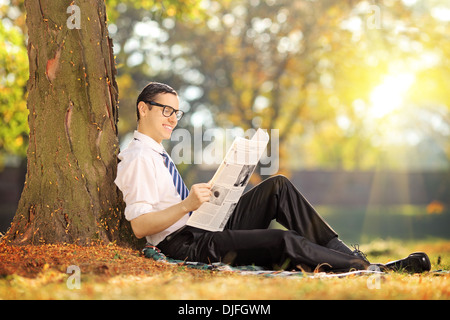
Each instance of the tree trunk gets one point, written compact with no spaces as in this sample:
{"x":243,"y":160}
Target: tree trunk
{"x":69,"y":193}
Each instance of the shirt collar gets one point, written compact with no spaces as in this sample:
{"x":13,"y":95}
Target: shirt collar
{"x":158,"y":147}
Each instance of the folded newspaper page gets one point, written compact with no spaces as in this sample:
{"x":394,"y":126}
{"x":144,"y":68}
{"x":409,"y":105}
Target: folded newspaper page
{"x":229,"y":182}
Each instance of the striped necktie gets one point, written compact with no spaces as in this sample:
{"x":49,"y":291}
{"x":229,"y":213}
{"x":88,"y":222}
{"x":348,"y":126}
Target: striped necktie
{"x":182,"y":190}
{"x":177,"y":180}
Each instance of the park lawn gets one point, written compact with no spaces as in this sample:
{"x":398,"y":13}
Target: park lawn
{"x":113,"y":272}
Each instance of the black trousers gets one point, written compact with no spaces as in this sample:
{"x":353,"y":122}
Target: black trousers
{"x":247,"y":240}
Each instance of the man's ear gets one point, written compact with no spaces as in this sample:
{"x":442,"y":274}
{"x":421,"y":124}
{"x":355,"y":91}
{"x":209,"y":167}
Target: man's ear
{"x":143,"y":108}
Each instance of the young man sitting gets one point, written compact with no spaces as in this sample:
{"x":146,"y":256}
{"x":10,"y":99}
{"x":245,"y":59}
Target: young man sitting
{"x":158,"y":205}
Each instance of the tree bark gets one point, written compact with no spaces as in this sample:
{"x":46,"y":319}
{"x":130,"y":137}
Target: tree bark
{"x":69,"y":193}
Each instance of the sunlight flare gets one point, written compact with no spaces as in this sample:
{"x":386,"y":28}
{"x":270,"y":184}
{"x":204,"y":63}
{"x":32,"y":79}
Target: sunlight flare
{"x":390,"y":94}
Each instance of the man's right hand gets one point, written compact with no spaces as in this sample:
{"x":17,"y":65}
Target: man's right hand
{"x":199,"y":194}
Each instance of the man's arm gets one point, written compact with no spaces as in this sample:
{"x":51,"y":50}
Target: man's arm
{"x":154,"y":222}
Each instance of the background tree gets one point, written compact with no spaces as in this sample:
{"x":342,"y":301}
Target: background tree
{"x":72,"y":100}
{"x":13,"y":78}
{"x":342,"y":53}
{"x":356,"y":85}
{"x":277,"y":65}
{"x":337,"y":79}
{"x":69,"y":193}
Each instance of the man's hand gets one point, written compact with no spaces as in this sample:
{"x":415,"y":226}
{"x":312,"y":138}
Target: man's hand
{"x":199,"y":194}
{"x":157,"y":221}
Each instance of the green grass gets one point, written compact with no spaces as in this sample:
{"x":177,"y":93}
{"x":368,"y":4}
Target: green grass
{"x":126,"y":275}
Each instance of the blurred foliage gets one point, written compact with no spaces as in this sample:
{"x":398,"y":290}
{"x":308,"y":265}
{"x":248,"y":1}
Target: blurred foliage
{"x":14,"y":64}
{"x":13,"y":77}
{"x":309,"y":69}
{"x":333,"y":77}
{"x":180,"y":9}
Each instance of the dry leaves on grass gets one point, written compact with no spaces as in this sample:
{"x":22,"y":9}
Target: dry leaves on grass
{"x":113,"y":272}
{"x":109,"y":260}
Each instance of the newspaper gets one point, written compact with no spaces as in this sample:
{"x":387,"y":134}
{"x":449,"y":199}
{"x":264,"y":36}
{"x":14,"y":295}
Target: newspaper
{"x":229,"y":182}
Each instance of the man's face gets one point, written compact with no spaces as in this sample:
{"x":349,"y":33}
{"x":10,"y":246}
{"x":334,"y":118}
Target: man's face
{"x":153,"y":123}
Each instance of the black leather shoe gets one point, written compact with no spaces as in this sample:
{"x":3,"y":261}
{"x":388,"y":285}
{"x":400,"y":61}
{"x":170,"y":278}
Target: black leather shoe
{"x":358,"y":253}
{"x":414,"y":263}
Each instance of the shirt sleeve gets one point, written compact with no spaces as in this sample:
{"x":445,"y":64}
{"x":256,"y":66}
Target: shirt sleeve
{"x":137,"y":180}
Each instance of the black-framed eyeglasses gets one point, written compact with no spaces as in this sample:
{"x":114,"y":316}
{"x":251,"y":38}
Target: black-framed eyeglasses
{"x":167,"y":111}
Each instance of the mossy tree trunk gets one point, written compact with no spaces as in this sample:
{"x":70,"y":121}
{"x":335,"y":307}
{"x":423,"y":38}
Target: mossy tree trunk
{"x":69,"y":193}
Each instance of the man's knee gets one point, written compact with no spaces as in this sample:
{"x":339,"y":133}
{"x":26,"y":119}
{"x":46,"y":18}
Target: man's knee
{"x":277,"y":181}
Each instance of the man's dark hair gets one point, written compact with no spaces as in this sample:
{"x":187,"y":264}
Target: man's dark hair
{"x":151,"y":91}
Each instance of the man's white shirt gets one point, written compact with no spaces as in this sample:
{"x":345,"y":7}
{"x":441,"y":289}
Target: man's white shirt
{"x":146,"y":183}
